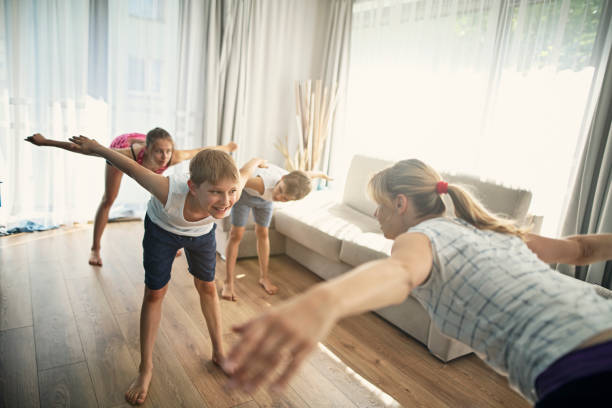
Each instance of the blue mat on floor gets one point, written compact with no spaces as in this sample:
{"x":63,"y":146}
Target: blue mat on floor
{"x":26,"y":226}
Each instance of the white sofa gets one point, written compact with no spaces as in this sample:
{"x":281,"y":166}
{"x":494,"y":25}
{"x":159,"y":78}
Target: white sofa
{"x":331,"y":234}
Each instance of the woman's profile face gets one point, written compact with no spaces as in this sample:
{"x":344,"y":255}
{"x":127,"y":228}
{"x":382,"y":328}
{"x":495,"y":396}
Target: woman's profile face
{"x":161,"y":152}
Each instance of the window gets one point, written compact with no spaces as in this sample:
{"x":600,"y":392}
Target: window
{"x":494,"y":88}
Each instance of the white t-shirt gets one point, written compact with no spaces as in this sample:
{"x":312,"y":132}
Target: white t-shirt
{"x":170,"y":217}
{"x":270,"y":175}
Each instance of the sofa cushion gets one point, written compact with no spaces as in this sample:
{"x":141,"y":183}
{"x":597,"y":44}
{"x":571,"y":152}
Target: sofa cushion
{"x":356,"y":188}
{"x":497,"y":198}
{"x":365,"y":247}
{"x":323,"y":226}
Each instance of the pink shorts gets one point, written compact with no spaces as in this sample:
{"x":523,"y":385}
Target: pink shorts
{"x":123,"y":141}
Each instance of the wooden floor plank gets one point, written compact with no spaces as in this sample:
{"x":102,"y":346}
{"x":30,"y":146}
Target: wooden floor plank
{"x":57,"y":338}
{"x":18,"y":373}
{"x":194,"y":350}
{"x":108,"y":358}
{"x":170,"y":386}
{"x":15,"y":301}
{"x":67,"y":386}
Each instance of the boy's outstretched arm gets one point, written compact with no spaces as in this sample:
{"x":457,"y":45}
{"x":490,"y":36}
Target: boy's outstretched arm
{"x":318,"y":174}
{"x":572,"y":250}
{"x":156,"y":184}
{"x":182,"y":155}
{"x":247,"y":170}
{"x":39,"y":140}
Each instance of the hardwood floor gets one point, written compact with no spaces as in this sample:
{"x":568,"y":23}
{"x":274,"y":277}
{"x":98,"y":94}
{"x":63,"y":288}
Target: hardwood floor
{"x":69,"y":337}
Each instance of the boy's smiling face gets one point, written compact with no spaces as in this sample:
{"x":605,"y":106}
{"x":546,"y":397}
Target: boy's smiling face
{"x":217,"y":199}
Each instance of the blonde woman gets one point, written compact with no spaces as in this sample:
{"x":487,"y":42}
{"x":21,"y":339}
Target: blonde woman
{"x":483,"y":280}
{"x":154,"y":151}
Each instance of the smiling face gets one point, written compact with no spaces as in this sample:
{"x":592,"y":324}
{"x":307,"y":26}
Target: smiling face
{"x":216,"y":199}
{"x":161,"y":152}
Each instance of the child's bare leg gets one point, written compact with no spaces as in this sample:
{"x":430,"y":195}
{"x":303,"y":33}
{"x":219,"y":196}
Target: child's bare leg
{"x":231,"y":254}
{"x":150,"y":316}
{"x":209,"y":302}
{"x":263,"y":254}
{"x":112,"y":181}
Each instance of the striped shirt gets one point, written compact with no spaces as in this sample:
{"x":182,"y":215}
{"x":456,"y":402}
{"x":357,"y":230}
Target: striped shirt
{"x":491,"y":292}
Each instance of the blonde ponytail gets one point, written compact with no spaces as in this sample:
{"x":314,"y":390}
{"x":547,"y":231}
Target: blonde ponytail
{"x":419,"y":182}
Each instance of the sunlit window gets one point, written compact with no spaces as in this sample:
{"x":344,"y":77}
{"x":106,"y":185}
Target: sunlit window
{"x":497,"y":89}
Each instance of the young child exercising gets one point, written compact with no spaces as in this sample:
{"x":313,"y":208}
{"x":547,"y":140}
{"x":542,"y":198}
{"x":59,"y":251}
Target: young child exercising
{"x":180,"y":214}
{"x":262,"y":189}
{"x":483,"y":281}
{"x":154,"y":151}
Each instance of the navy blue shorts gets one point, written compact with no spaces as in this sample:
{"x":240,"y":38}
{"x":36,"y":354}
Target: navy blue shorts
{"x":159,"y":250}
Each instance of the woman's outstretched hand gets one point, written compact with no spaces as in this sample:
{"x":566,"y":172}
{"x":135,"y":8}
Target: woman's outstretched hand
{"x":84,"y":144}
{"x":36,"y":139}
{"x":273,"y":346}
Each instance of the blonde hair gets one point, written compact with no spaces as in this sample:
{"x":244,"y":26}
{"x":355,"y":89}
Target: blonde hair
{"x":297,"y":184}
{"x":418,"y":181}
{"x":213,"y":166}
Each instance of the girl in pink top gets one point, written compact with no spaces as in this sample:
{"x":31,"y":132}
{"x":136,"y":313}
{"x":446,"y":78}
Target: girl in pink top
{"x":155,"y":151}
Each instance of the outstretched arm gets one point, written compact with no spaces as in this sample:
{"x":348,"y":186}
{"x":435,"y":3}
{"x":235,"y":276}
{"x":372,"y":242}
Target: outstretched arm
{"x":156,"y":184}
{"x":318,"y":174}
{"x":286,"y":334}
{"x":573,"y":250}
{"x":39,"y":140}
{"x":247,"y":170}
{"x":182,"y":155}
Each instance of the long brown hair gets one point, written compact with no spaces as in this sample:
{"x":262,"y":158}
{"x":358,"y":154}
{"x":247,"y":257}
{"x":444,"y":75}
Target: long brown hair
{"x":418,"y":181}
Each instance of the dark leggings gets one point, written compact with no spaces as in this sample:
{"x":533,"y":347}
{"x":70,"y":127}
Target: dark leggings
{"x":590,"y":391}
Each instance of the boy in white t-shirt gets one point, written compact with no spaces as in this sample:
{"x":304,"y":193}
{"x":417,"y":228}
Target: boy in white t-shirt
{"x":262,"y":189}
{"x":180,"y":214}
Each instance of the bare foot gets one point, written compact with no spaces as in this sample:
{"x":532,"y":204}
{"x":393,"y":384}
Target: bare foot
{"x":268,"y":286}
{"x":178,"y":253}
{"x":137,"y":393}
{"x":95,"y":258}
{"x":232,"y":146}
{"x":227,"y":293}
{"x":219,"y":360}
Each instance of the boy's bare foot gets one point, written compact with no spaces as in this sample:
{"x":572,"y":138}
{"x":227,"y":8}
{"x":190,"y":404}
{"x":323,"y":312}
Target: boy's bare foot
{"x":178,"y":253}
{"x":268,"y":286}
{"x":227,"y":293}
{"x":95,"y":258}
{"x":137,"y":393}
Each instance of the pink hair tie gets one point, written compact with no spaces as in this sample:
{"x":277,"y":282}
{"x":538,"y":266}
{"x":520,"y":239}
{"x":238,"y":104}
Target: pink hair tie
{"x":442,"y":187}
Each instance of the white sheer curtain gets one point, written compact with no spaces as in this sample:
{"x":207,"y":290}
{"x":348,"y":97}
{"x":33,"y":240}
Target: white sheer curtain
{"x":495,"y":88}
{"x":140,"y":59}
{"x":43,"y":88}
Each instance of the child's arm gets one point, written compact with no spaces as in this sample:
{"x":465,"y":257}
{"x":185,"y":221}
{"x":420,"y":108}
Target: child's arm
{"x":156,"y":184}
{"x":182,"y":155}
{"x":247,"y":170}
{"x":39,"y":140}
{"x":573,"y":250}
{"x":318,"y":174}
{"x":287,"y":333}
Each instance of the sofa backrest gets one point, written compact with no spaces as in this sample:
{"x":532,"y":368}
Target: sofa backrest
{"x":362,"y":168}
{"x":499,"y":199}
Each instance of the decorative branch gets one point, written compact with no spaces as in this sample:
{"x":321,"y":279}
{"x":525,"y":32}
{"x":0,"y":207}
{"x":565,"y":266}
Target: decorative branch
{"x":315,"y":107}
